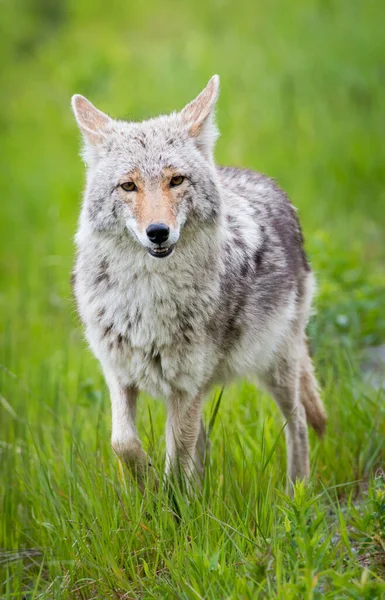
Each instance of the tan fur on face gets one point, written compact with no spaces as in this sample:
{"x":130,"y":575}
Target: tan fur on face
{"x":153,"y":201}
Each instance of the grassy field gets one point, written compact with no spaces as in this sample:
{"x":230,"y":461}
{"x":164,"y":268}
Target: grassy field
{"x":303,"y":96}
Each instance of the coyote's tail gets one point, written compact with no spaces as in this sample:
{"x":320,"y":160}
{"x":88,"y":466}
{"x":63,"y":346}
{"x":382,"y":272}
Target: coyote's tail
{"x":310,"y":398}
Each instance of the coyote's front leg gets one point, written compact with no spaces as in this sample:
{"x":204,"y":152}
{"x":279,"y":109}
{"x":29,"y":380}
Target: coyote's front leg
{"x":124,"y":439}
{"x":185,"y":436}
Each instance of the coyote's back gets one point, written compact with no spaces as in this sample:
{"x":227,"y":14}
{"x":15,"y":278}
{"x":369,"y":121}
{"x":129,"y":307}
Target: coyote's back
{"x":187,"y":275}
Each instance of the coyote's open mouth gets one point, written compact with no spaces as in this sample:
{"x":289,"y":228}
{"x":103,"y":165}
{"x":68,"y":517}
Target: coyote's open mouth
{"x":161,"y":252}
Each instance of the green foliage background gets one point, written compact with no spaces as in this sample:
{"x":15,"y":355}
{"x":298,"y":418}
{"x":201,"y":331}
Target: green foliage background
{"x":302,"y":100}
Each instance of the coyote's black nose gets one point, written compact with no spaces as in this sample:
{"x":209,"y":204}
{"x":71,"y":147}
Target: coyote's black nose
{"x":158,"y":233}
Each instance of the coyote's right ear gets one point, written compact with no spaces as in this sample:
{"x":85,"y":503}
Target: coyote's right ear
{"x":198,"y":116}
{"x":93,"y":123}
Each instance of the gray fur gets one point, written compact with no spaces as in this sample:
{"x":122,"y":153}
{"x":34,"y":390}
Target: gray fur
{"x":232,"y":300}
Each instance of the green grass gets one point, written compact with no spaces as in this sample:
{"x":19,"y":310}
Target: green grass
{"x":302,"y":100}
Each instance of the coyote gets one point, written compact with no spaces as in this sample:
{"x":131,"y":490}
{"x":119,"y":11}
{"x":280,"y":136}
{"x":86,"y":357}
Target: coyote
{"x":188,"y":275}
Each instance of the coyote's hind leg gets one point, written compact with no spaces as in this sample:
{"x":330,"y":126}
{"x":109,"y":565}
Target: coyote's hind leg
{"x":283,"y":383}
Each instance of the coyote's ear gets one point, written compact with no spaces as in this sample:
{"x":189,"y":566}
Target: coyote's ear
{"x":93,"y":123}
{"x":198,"y":116}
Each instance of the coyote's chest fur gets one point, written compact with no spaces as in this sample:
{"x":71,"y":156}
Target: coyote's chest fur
{"x":150,"y":327}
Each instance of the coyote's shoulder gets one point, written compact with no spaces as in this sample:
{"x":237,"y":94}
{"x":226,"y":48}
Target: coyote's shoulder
{"x":270,"y":208}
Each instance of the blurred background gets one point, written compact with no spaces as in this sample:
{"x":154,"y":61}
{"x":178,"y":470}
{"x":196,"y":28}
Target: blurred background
{"x":303,"y":101}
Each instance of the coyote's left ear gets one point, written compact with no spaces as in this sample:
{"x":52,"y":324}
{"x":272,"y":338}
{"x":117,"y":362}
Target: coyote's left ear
{"x":198,"y":116}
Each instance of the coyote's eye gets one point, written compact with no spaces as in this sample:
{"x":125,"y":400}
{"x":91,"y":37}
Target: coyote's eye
{"x":128,"y":186}
{"x":176,"y":180}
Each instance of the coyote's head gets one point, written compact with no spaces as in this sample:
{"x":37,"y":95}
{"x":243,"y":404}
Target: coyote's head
{"x":151,"y":178}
